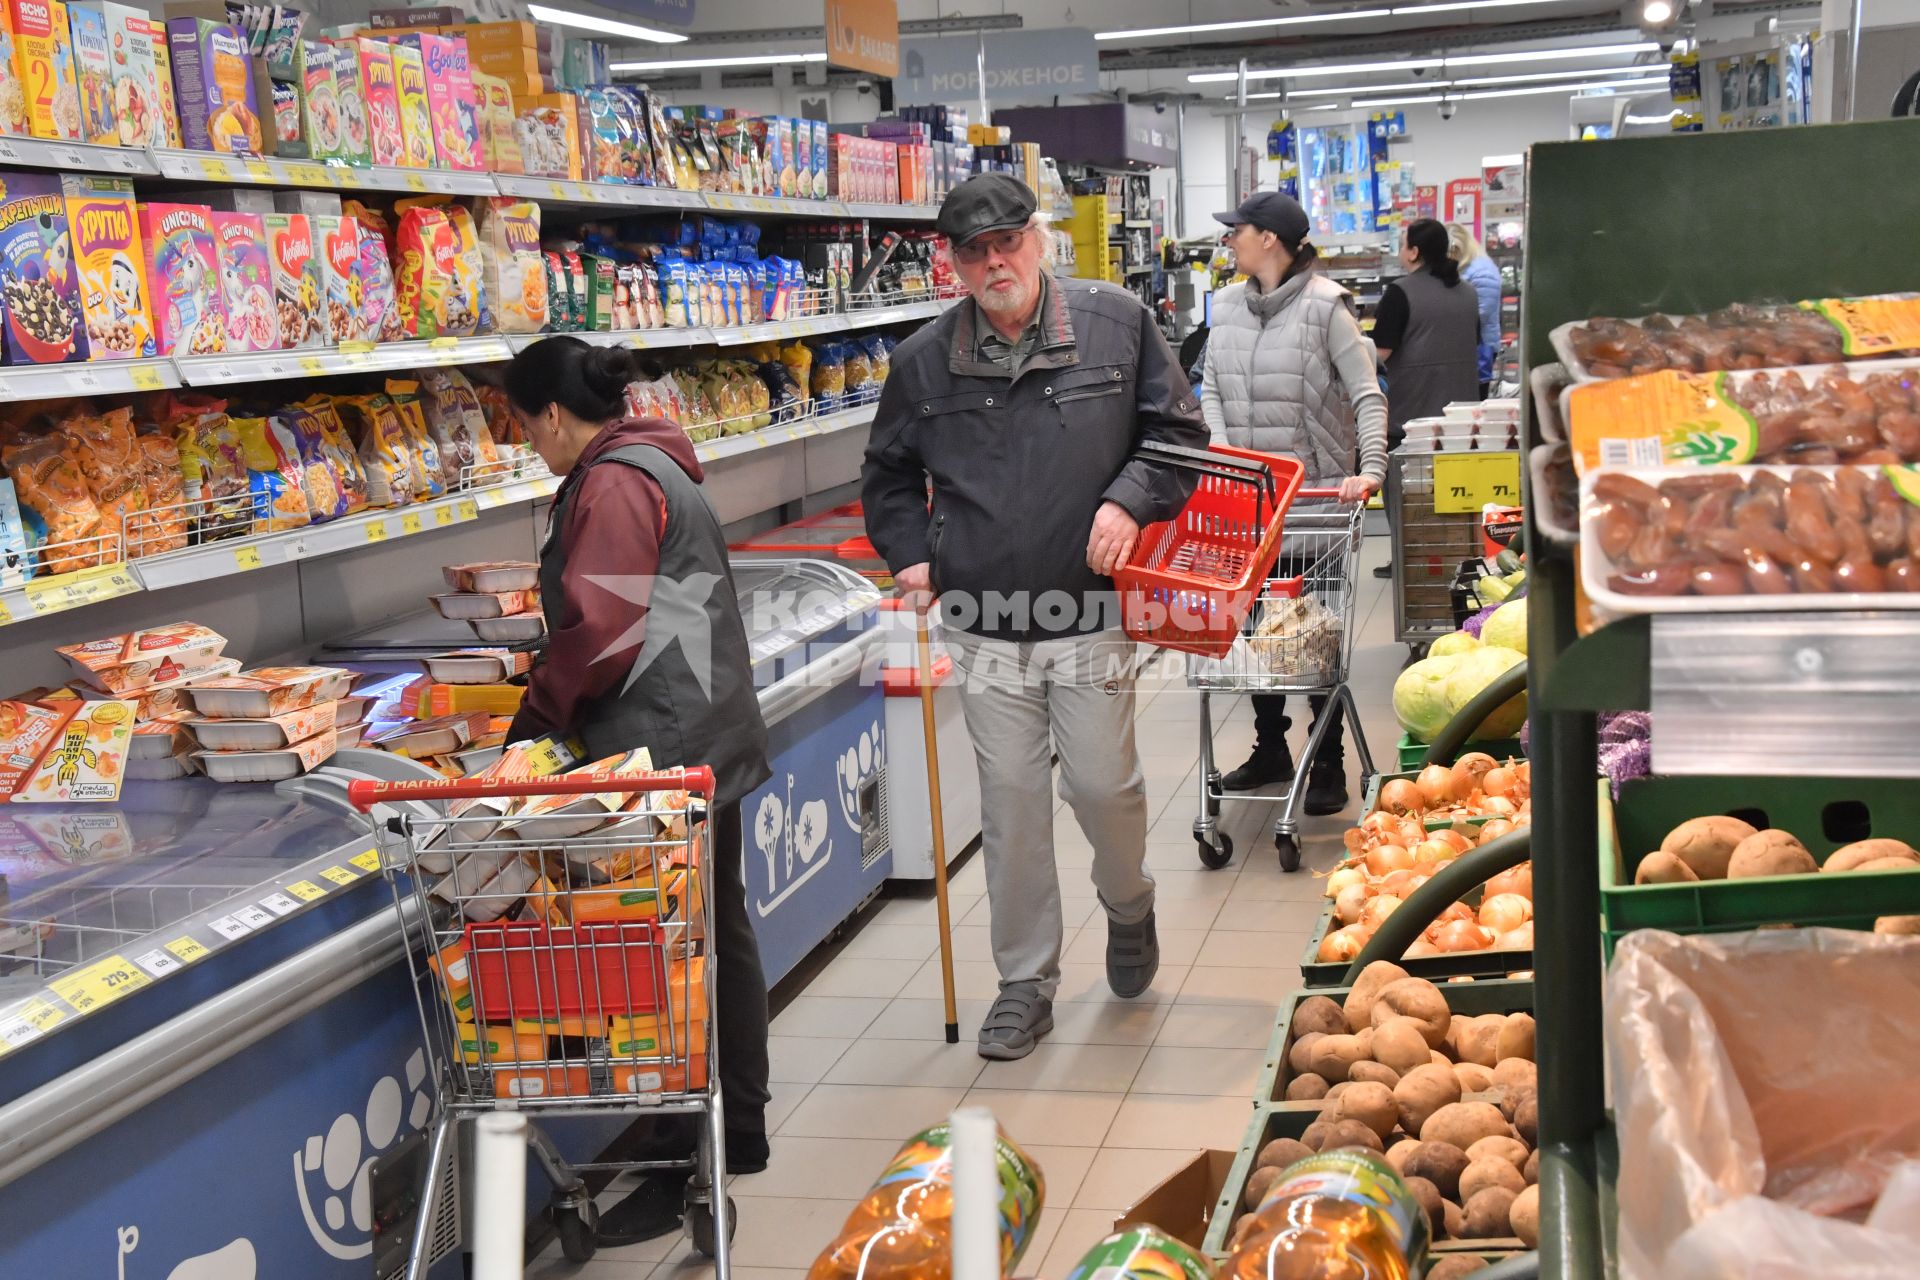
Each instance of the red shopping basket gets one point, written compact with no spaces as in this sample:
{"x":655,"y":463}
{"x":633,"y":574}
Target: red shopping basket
{"x":526,"y":969}
{"x":1192,"y":580}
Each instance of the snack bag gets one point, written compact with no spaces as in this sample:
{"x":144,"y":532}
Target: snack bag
{"x":303,"y":441}
{"x":56,"y":506}
{"x":297,"y":291}
{"x":349,"y":93}
{"x":213,"y":471}
{"x":380,"y":319}
{"x":513,"y":273}
{"x":559,"y":293}
{"x":94,"y":75}
{"x":275,"y":483}
{"x":336,"y":447}
{"x":386,"y":140}
{"x":798,"y":357}
{"x":576,"y":289}
{"x":548,"y":138}
{"x":468,"y":307}
{"x":162,"y":525}
{"x":426,"y":245}
{"x":602,"y":161}
{"x":385,"y":454}
{"x":320,"y":122}
{"x":462,"y":422}
{"x":416,"y":120}
{"x":43,"y":66}
{"x":188,"y":304}
{"x":339,"y":241}
{"x":110,"y":265}
{"x":424,"y":456}
{"x":602,"y":286}
{"x":108,"y":454}
{"x":213,"y":85}
{"x":246,"y":283}
{"x":39,"y":294}
{"x":829,"y":375}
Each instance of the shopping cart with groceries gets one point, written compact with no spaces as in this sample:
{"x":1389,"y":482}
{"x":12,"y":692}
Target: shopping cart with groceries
{"x":1199,"y":583}
{"x":560,"y":944}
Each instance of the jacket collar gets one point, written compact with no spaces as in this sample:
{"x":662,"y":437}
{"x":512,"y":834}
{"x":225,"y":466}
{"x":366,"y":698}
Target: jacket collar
{"x":1057,"y":347}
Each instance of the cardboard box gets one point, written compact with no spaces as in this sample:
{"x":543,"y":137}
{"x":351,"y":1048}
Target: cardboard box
{"x":167,"y":120}
{"x":481,"y":36}
{"x":416,"y":117}
{"x":110,"y":266}
{"x":43,"y":65}
{"x":453,"y":113}
{"x":183,"y":260}
{"x":350,"y":92}
{"x":34,"y":239}
{"x":1183,"y":1203}
{"x":213,"y":85}
{"x":387,"y":143}
{"x":93,"y":72}
{"x":282,"y":132}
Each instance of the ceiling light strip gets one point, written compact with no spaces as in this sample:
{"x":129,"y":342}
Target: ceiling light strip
{"x":698,"y":64}
{"x":1418,"y":64}
{"x":1254,"y":24}
{"x":604,"y":26}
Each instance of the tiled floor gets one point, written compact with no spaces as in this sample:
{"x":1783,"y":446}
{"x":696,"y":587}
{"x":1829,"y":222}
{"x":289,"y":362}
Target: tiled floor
{"x":1122,"y":1091}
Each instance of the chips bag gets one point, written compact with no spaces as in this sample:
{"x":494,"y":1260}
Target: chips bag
{"x":213,"y":472}
{"x":337,"y":448}
{"x":428,"y":476}
{"x":56,"y":505}
{"x":163,"y":525}
{"x":386,"y":455}
{"x":458,"y":424}
{"x":512,"y":270}
{"x":105,"y":449}
{"x":275,"y":479}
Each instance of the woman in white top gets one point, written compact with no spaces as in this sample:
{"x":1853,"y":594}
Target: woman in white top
{"x":1288,"y":371}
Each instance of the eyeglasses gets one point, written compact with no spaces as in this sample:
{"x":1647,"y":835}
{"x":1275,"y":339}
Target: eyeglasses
{"x":980,"y":248}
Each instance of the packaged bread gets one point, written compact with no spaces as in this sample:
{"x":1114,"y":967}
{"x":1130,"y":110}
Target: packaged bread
{"x":57,"y":509}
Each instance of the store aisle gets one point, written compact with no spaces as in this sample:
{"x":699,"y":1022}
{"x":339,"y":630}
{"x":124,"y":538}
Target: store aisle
{"x":1123,"y":1091}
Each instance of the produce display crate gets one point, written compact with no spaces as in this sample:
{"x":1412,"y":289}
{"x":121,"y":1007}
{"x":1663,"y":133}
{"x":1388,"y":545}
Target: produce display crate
{"x":1290,"y":1122}
{"x":1825,"y":813}
{"x":1484,"y":995}
{"x":1412,"y":753}
{"x":1318,"y":973}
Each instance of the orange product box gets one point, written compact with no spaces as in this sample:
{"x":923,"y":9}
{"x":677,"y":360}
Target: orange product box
{"x":499,"y":35}
{"x":496,"y":112}
{"x":511,"y":62}
{"x":639,"y":898}
{"x":449,"y":964}
{"x":268,"y":691}
{"x":450,"y":699}
{"x":567,"y":1025}
{"x":43,"y":68}
{"x":487,"y":1044}
{"x":88,"y":761}
{"x":28,"y":731}
{"x":139,"y":659}
{"x":661,"y":1078}
{"x":541,"y":1082}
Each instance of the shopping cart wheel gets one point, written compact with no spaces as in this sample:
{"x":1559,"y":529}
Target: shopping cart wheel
{"x":1289,"y":850}
{"x":1215,"y":853}
{"x":578,"y":1229}
{"x":700,"y":1225}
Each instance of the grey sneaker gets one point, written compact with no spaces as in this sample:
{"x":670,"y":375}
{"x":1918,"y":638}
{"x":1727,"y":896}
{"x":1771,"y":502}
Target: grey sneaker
{"x":1015,"y":1023}
{"x":1133,"y":957}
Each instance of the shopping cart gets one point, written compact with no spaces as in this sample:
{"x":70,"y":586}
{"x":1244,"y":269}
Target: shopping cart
{"x":1299,"y":641}
{"x":558,"y":940}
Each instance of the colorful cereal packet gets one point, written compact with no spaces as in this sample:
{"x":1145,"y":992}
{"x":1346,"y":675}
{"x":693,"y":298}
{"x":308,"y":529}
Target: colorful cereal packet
{"x":349,"y":91}
{"x":110,"y":265}
{"x":276,"y":484}
{"x":416,"y":119}
{"x":39,"y":293}
{"x":246,"y":282}
{"x":213,"y":83}
{"x":512,"y":269}
{"x":297,"y":289}
{"x":188,"y":304}
{"x":386,"y":141}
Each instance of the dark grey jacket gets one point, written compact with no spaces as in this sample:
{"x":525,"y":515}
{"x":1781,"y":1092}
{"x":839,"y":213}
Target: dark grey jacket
{"x":1020,"y":464}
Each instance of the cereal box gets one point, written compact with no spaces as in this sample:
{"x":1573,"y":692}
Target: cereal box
{"x":385,"y":141}
{"x":88,"y":758}
{"x":549,"y":140}
{"x":297,"y":289}
{"x":450,"y":103}
{"x":43,"y":63}
{"x":349,"y":90}
{"x":134,"y":105}
{"x":187,"y":305}
{"x":213,"y":84}
{"x":338,"y":241}
{"x":416,"y":119}
{"x":110,"y":265}
{"x":13,"y":92}
{"x":94,"y":76}
{"x":819,"y":159}
{"x":39,"y":291}
{"x":320,"y":103}
{"x":502,"y":148}
{"x":167,"y":118}
{"x":246,"y":282}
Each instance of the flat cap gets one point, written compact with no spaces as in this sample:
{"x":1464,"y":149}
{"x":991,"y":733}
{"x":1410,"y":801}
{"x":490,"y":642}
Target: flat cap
{"x":985,"y":202}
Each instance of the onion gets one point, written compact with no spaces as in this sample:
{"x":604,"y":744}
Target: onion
{"x":1347,"y":908}
{"x":1419,"y":949}
{"x":1401,"y":796}
{"x":1452,"y":836}
{"x":1519,"y":938}
{"x":1378,"y":909}
{"x":1493,"y":828}
{"x":1433,"y":853}
{"x":1436,"y":785}
{"x":1515,"y":880}
{"x":1380,"y":824}
{"x":1461,"y":935}
{"x":1412,"y":832}
{"x":1398,"y":883}
{"x":1414,"y":882}
{"x":1356,"y":839}
{"x":1499,"y":782}
{"x":1342,"y":944}
{"x":1502,"y":912}
{"x":1498,"y":806}
{"x":1344,"y":877}
{"x":1467,"y":772}
{"x":1383,"y":858}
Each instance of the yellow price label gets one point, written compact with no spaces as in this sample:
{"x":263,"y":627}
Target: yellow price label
{"x":258,"y":170}
{"x":1463,"y":483}
{"x":557,"y":191}
{"x":377,"y":531}
{"x":246,"y":557}
{"x":187,"y":950}
{"x":73,"y":590}
{"x":100,"y":983}
{"x":443,"y":344}
{"x":491,"y":498}
{"x":547,"y":757}
{"x":358,"y":347}
{"x":466,"y":509}
{"x":6,"y":614}
{"x":368,"y":861}
{"x":306,"y":890}
{"x":40,"y":1014}
{"x":146,"y":378}
{"x":410,"y":522}
{"x":339,"y":875}
{"x":214,"y":170}
{"x":443,"y":516}
{"x":415,"y":182}
{"x":312,"y":366}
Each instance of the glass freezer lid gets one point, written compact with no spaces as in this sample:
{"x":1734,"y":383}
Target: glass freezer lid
{"x":787,"y":603}
{"x":413,"y":635}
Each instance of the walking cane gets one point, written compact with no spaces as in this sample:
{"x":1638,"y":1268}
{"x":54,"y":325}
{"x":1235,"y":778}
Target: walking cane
{"x":923,"y":630}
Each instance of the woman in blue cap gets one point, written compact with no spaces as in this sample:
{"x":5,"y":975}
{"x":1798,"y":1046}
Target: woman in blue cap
{"x":1288,"y":371}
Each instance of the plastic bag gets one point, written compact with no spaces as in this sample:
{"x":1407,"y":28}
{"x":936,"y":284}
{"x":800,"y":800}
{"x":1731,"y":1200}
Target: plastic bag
{"x":1758,"y":1083}
{"x":429,"y":474}
{"x":56,"y":505}
{"x":385,"y":452}
{"x":336,"y":446}
{"x":275,"y":479}
{"x":213,"y":471}
{"x":458,"y":426}
{"x":103,"y":446}
{"x":162,"y":526}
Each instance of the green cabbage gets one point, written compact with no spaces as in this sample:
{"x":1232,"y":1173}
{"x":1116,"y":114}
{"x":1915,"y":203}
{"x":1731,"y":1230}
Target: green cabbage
{"x":1420,"y":699}
{"x":1507,"y":627}
{"x":1475,"y":671}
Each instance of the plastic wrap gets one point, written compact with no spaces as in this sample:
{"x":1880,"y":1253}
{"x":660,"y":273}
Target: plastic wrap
{"x":1761,"y":1096}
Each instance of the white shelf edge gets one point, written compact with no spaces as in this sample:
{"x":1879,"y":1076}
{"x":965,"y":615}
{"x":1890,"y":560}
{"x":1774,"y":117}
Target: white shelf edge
{"x":81,"y":157}
{"x":87,"y":378}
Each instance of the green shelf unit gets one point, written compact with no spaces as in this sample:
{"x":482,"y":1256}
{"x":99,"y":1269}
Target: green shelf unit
{"x":1319,"y":974}
{"x":1412,"y":753}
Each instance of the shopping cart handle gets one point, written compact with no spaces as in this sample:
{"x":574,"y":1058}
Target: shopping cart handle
{"x":1315,"y":493}
{"x":364,"y":793}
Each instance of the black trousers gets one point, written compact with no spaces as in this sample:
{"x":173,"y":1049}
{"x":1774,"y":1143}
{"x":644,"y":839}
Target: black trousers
{"x":741,"y":1019}
{"x":1270,"y":723}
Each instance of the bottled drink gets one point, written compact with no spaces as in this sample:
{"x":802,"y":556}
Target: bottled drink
{"x":1339,"y":1215}
{"x":1142,"y":1253}
{"x":901,"y":1229}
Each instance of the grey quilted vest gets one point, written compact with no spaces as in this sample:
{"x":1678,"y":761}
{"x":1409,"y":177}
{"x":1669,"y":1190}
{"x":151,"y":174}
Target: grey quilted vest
{"x":1272,"y":365}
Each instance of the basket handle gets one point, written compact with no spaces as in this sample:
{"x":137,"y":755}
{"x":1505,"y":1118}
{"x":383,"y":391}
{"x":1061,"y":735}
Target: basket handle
{"x":364,"y":793}
{"x":1209,"y":463}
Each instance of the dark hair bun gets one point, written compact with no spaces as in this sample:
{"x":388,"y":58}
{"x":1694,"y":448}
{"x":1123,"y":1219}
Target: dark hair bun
{"x":608,"y":370}
{"x":589,"y":382}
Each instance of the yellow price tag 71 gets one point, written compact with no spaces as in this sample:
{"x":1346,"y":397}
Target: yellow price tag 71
{"x":443,"y":515}
{"x":377,"y":531}
{"x":1463,"y":483}
{"x":339,"y":875}
{"x":410,"y":522}
{"x":186,"y":950}
{"x":306,"y":890}
{"x":100,"y":983}
{"x":466,"y":509}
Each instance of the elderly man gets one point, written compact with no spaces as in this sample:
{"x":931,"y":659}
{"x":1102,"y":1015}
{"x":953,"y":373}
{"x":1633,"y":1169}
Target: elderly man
{"x":1023,"y":408}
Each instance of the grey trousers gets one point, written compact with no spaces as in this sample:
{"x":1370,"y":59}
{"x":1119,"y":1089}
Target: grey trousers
{"x":1022,"y":702}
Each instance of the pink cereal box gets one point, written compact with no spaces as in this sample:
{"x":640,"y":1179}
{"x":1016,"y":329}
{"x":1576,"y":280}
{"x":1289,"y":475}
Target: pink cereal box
{"x":246,"y":282}
{"x":450,"y":101}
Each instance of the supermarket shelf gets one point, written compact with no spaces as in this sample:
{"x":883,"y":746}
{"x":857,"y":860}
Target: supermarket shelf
{"x":210,"y":166}
{"x":86,"y":378}
{"x":597,"y":193}
{"x":746,"y":335}
{"x":786,"y":433}
{"x":781,"y":205}
{"x":78,"y":156}
{"x":384,"y":357}
{"x":894,"y":212}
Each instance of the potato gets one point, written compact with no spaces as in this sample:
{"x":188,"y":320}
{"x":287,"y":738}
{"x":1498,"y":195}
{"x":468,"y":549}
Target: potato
{"x":1663,"y":868}
{"x":1532,"y":1172}
{"x":1348,"y":1132}
{"x":1515,"y":1073}
{"x":1306,"y":1088}
{"x":1333,"y":1056}
{"x":1512,"y":1150}
{"x":1510,"y":1100}
{"x":1400,"y":1043}
{"x":1493,"y":1172}
{"x":1705,"y":844}
{"x":1488,"y":1214}
{"x":1369,"y":1103}
{"x":1429,"y":1197}
{"x":1850,"y":857}
{"x":1420,"y":1000}
{"x":1281,"y":1152}
{"x":1317,"y":1013}
{"x":1439,"y":1164}
{"x":1257,"y":1183}
{"x":1440,"y":1059}
{"x":1770,"y":853}
{"x":1365,"y":1036}
{"x":1300,"y":1055}
{"x":1515,"y":1040}
{"x":1397,"y":1154}
{"x":1473,"y":1077}
{"x":1314,"y":1136}
{"x":1461,"y":1124}
{"x":1455,"y":1265}
{"x":1423,"y":1091}
{"x":1902,"y":926}
{"x":1373,"y":1073}
{"x":1526,"y":1120}
{"x":1479,"y":1044}
{"x":1887,"y":864}
{"x":1333,"y":1094}
{"x":1523,"y":1216}
{"x":1242,"y":1225}
{"x":1359,"y":1002}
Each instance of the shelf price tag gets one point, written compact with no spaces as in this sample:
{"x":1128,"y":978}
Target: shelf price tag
{"x":100,"y":983}
{"x":1465,"y":482}
{"x":28,"y":1023}
{"x":443,"y":516}
{"x":339,"y":875}
{"x":73,"y":590}
{"x":410,"y":522}
{"x":187,"y":949}
{"x":157,"y":962}
{"x":146,"y":378}
{"x":377,"y":531}
{"x":230,"y":927}
{"x":214,"y":170}
{"x":414,"y":182}
{"x":368,"y":861}
{"x":312,"y":366}
{"x":467,"y":509}
{"x":246,"y":557}
{"x":280,"y":904}
{"x":258,"y":170}
{"x":306,"y":890}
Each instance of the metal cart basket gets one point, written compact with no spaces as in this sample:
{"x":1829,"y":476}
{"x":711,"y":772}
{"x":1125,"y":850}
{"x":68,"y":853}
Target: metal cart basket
{"x":1427,"y":550}
{"x":1299,"y":640}
{"x":559,"y":943}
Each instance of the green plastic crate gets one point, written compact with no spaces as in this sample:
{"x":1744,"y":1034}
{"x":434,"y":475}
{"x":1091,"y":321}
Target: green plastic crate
{"x":1486,"y":995}
{"x":1412,"y":753}
{"x":1825,"y":813}
{"x":1282,"y":1122}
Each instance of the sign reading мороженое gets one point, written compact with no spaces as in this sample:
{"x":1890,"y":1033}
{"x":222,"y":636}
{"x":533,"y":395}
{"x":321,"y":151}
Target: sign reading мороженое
{"x":1022,"y":67}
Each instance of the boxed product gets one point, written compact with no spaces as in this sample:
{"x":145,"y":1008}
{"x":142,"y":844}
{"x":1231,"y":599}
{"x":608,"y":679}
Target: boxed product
{"x":338,"y":240}
{"x":268,"y":691}
{"x":386,"y":142}
{"x":478,"y":666}
{"x":269,"y":733}
{"x":268,"y":766}
{"x":140,"y":659}
{"x":43,"y":68}
{"x":38,"y":294}
{"x":501,"y":144}
{"x":450,"y":102}
{"x":465,"y":605}
{"x":297,"y":290}
{"x":434,"y":737}
{"x":548,"y":134}
{"x":282,"y":117}
{"x":819,"y":159}
{"x":110,"y":266}
{"x":213,"y":87}
{"x":188,"y":304}
{"x":492,"y":576}
{"x":87,"y":764}
{"x":319,"y":99}
{"x":349,"y":92}
{"x":246,"y":282}
{"x":94,"y":76}
{"x":416,"y":117}
{"x":167,"y":115}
